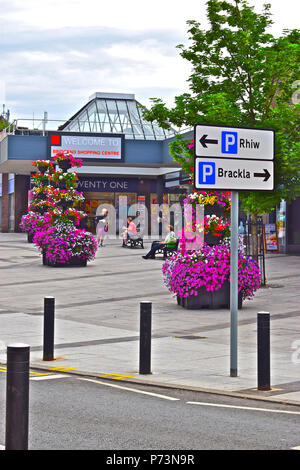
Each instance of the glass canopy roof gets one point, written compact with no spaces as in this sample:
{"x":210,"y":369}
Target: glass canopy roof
{"x":115,"y":113}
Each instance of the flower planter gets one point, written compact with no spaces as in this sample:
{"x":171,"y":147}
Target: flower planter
{"x":209,"y":300}
{"x":62,"y":185}
{"x":42,"y":169}
{"x":40,"y":196}
{"x":64,"y":204}
{"x":41,"y":210}
{"x":216,"y":209}
{"x":74,"y":261}
{"x":64,"y":165}
{"x":212,"y":240}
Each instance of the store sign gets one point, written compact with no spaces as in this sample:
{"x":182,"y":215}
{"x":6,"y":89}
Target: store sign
{"x":89,"y":147}
{"x":106,"y":184}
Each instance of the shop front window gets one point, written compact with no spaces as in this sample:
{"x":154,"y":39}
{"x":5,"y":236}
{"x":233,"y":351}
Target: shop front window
{"x":93,"y":204}
{"x":125,"y":205}
{"x":281,"y":226}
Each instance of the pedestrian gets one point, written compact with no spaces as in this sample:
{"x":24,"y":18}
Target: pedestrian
{"x":102,"y":226}
{"x":156,"y":245}
{"x":130,"y":230}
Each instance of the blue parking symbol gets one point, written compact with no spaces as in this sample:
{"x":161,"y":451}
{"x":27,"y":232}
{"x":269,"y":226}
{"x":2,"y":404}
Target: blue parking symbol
{"x":229,"y":142}
{"x":206,"y":173}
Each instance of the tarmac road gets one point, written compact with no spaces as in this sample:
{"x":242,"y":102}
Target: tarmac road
{"x":77,"y":413}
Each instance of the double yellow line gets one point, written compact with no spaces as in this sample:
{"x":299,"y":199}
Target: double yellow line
{"x":67,"y":369}
{"x":116,"y":376}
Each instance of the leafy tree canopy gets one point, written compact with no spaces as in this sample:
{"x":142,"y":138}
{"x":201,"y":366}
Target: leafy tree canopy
{"x":241,"y":76}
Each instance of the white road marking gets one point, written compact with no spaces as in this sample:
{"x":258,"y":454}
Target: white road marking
{"x":132,"y":390}
{"x":243,"y":407}
{"x":295,"y":448}
{"x":48,"y":377}
{"x":2,"y":447}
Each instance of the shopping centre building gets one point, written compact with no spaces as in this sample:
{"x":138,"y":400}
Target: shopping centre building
{"x":125,"y":158}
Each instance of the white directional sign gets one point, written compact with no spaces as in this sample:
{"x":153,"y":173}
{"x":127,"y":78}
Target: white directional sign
{"x":235,"y":175}
{"x":233,"y":142}
{"x":233,"y":158}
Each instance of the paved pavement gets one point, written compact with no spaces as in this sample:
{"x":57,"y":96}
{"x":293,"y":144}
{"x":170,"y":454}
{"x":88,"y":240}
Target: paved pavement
{"x":97,"y":322}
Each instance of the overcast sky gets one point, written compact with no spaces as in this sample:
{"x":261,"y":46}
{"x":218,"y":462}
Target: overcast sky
{"x":56,"y":53}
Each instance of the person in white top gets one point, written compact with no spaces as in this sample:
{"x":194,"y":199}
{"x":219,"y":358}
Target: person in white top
{"x":159,"y":245}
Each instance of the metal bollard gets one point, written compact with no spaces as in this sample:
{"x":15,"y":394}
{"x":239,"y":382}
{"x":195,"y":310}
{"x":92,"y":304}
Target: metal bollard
{"x":145,"y":337}
{"x":263,"y":351}
{"x":17,"y":397}
{"x":48,"y":349}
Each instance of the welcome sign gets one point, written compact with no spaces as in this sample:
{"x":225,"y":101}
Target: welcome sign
{"x":89,"y":147}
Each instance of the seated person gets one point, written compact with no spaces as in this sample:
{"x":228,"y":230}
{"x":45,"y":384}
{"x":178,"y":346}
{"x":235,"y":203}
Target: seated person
{"x":129,"y":230}
{"x":160,"y":245}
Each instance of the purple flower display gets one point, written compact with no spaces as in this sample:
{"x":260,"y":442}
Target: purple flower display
{"x":32,"y":222}
{"x":60,"y":245}
{"x":186,"y":272}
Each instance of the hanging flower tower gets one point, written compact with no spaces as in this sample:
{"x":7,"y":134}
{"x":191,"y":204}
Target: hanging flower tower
{"x":37,"y":217}
{"x":58,"y":234}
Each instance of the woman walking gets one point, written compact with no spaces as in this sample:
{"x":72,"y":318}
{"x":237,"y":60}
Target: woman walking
{"x":102,"y":226}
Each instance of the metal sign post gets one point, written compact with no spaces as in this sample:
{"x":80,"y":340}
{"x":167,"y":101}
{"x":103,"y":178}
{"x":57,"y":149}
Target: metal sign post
{"x":233,"y":159}
{"x":234,"y":248}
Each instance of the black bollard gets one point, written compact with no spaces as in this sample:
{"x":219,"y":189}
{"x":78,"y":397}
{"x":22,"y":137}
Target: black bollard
{"x":145,"y":337}
{"x":48,"y":351}
{"x":263,"y":351}
{"x":17,"y":397}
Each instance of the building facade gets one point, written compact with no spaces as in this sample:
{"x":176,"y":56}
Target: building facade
{"x":125,"y":158}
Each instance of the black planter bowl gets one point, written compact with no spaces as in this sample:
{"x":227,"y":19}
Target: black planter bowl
{"x":209,"y":300}
{"x":42,"y":169}
{"x":73,"y":262}
{"x":64,"y":204}
{"x":41,"y":210}
{"x":216,"y":209}
{"x":64,"y":165}
{"x":40,"y":196}
{"x":211,"y":240}
{"x":62,"y":185}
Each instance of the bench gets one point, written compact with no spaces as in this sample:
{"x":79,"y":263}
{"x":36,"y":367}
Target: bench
{"x":168,"y":250}
{"x":134,"y":241}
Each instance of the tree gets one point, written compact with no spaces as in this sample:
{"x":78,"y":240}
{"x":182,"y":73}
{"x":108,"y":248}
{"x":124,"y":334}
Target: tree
{"x":3,"y":124}
{"x":242,"y":76}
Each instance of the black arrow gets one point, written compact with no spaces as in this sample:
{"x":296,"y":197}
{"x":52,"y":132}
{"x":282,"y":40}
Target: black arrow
{"x":266,"y":175}
{"x":205,"y":141}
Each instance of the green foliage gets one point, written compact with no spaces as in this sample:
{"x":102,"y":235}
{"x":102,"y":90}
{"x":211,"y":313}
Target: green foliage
{"x":3,"y":125}
{"x":242,"y":76}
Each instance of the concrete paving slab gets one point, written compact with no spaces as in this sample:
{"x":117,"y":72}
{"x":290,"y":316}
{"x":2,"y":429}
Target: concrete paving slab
{"x":97,"y":321}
